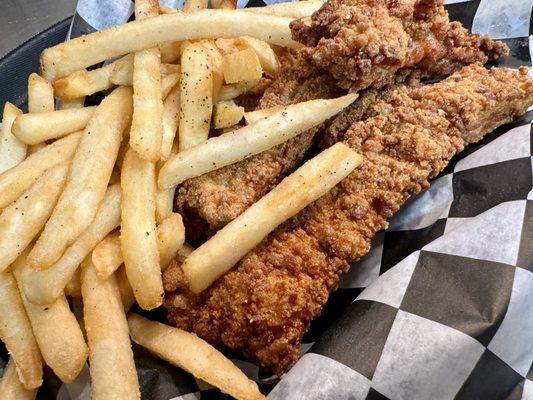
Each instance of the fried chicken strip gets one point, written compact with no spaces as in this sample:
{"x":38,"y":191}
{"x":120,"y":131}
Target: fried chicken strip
{"x":267,"y":302}
{"x":353,"y":45}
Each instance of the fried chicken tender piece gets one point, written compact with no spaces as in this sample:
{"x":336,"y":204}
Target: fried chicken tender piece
{"x":353,"y":45}
{"x":267,"y":302}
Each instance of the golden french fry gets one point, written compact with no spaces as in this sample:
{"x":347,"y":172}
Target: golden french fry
{"x":23,"y":220}
{"x":254,"y":116}
{"x":107,"y":256}
{"x":12,"y":150}
{"x":171,"y":118}
{"x":37,"y":128}
{"x":35,"y":148}
{"x":122,"y":74}
{"x":164,"y":202}
{"x":124,"y":287}
{"x":16,"y":333}
{"x":168,"y":10}
{"x":73,"y":287}
{"x":224,"y":4}
{"x":111,"y":365}
{"x":71,"y":104}
{"x":82,"y":52}
{"x":88,"y":179}
{"x":146,"y":8}
{"x":57,"y":332}
{"x":168,"y":83}
{"x":226,"y":114}
{"x":14,"y":182}
{"x":170,"y":51}
{"x":230,"y":92}
{"x":195,"y":5}
{"x":196,"y":96}
{"x":146,"y":132}
{"x":167,"y":69}
{"x":40,"y":94}
{"x":216,"y":61}
{"x":267,"y":58}
{"x":226,"y":46}
{"x":10,"y":386}
{"x":309,"y":182}
{"x":170,"y":238}
{"x":138,"y":230}
{"x":297,"y":9}
{"x":186,"y":350}
{"x":242,"y":66}
{"x":43,"y":287}
{"x":236,"y":145}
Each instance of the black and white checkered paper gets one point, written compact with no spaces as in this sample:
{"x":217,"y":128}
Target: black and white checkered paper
{"x":442,"y":307}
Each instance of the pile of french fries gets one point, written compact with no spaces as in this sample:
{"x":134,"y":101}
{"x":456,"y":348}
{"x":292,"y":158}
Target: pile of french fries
{"x":86,"y":193}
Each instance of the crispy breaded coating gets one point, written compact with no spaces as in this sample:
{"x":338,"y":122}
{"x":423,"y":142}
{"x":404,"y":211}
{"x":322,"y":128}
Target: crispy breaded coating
{"x":353,"y":45}
{"x":267,"y":302}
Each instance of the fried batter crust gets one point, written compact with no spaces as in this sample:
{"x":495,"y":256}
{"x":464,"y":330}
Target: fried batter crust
{"x":267,"y":302}
{"x":353,"y":45}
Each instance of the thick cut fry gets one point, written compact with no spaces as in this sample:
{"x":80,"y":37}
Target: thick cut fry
{"x":23,"y":220}
{"x":16,"y":333}
{"x":113,"y":374}
{"x":226,"y":114}
{"x":254,"y":116}
{"x":10,"y":386}
{"x":236,"y":145}
{"x":71,"y":104}
{"x":196,"y":96}
{"x":57,"y":332}
{"x":168,"y":82}
{"x":224,"y":4}
{"x":73,"y":287}
{"x":216,"y":61}
{"x":170,"y":238}
{"x":138,"y":230}
{"x":267,"y":57}
{"x":195,"y":5}
{"x":37,"y":128}
{"x":122,"y":73}
{"x":107,"y":256}
{"x":146,"y":8}
{"x":146,"y":127}
{"x":88,"y":178}
{"x":40,"y":94}
{"x":171,"y":119}
{"x":242,"y":66}
{"x":14,"y":182}
{"x":230,"y":92}
{"x":12,"y":150}
{"x":185,"y":350}
{"x":309,"y":182}
{"x":82,"y":52}
{"x":297,"y":9}
{"x":43,"y":287}
{"x":124,"y":287}
{"x":197,"y":87}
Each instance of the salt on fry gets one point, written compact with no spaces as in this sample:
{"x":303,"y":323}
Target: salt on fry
{"x":226,"y":114}
{"x":17,"y":335}
{"x":308,"y":183}
{"x":37,"y":128}
{"x":107,"y":256}
{"x":242,"y":66}
{"x":43,"y":287}
{"x":196,"y":96}
{"x":138,"y":230}
{"x":10,"y":386}
{"x":12,"y":149}
{"x":23,"y":220}
{"x":171,"y":118}
{"x":57,"y":333}
{"x":82,"y":52}
{"x":15,"y":181}
{"x":113,"y":374}
{"x":186,"y":350}
{"x":236,"y":145}
{"x":88,"y":179}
